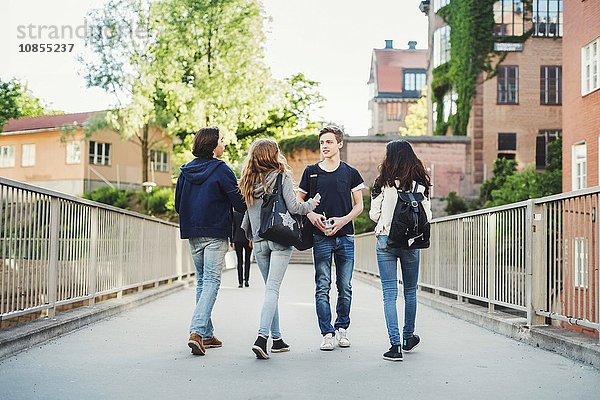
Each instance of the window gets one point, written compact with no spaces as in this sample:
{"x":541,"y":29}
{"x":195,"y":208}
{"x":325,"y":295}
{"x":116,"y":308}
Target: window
{"x":449,"y":104}
{"x":508,"y":17}
{"x":160,"y":160}
{"x":413,"y":80}
{"x":508,"y":84}
{"x":506,"y":156}
{"x":541,"y":146}
{"x":547,"y":18}
{"x":579,"y":166}
{"x":441,"y":45}
{"x":590,"y":60}
{"x":437,"y":4}
{"x":507,"y":141}
{"x":580,"y":275}
{"x":392,"y":112}
{"x":7,"y":156}
{"x":27,"y":155}
{"x":73,"y":153}
{"x":99,"y":153}
{"x":550,"y":85}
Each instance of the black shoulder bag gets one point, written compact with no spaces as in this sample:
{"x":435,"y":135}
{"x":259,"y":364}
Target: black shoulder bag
{"x":276,"y":222}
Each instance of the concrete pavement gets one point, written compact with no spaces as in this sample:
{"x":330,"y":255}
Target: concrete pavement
{"x":143,"y":353}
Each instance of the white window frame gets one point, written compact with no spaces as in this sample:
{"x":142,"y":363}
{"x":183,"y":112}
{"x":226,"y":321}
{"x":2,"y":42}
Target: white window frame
{"x":580,"y":256}
{"x":73,"y":153}
{"x":103,"y":157}
{"x":28,"y":155}
{"x":449,"y":101}
{"x":437,"y":4}
{"x":579,"y":166}
{"x":590,"y":67}
{"x":162,"y":165}
{"x":441,"y":45}
{"x":7,"y":156}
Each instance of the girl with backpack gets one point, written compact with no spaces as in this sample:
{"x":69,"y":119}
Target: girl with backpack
{"x":262,"y":166}
{"x":399,"y":170}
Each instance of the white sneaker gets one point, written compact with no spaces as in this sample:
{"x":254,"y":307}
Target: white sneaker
{"x":342,"y":338}
{"x":327,"y":344}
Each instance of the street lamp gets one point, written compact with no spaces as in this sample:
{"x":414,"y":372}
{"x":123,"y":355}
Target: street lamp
{"x":149,"y":186}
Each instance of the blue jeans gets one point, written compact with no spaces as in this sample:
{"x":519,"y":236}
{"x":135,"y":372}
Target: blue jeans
{"x":209,"y":256}
{"x":342,"y":249}
{"x":388,"y":272}
{"x":272,"y":259}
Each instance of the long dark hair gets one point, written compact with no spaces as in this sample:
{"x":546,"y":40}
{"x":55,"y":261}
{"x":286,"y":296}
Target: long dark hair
{"x":401,"y":164}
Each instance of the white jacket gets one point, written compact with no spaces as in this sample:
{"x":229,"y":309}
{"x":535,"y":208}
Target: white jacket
{"x":382,"y":208}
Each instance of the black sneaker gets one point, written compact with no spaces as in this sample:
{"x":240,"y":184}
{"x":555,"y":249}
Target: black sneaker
{"x":409,"y":344}
{"x":260,"y":348}
{"x":393,"y":354}
{"x":279,"y":346}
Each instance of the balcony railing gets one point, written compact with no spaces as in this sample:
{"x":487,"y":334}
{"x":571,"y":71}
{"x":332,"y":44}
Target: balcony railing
{"x":538,"y":257}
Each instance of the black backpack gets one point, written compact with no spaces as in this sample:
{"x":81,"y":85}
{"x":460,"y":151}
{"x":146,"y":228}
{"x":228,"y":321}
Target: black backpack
{"x":410,"y":227}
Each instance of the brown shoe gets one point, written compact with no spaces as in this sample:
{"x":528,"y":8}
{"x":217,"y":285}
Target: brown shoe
{"x":195,"y":343}
{"x":212,"y":342}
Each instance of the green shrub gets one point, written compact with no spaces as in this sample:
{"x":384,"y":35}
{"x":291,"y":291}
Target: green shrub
{"x":363,"y":223}
{"x":161,"y":201}
{"x":107,"y":195}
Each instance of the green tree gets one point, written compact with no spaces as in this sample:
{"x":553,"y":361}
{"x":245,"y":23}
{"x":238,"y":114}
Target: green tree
{"x":210,"y":55}
{"x":416,"y":120}
{"x":503,"y":168}
{"x":510,"y":187}
{"x":122,"y":63}
{"x":16,"y":101}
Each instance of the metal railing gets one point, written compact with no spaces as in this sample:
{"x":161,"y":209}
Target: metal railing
{"x":539,"y":257}
{"x":58,"y":249}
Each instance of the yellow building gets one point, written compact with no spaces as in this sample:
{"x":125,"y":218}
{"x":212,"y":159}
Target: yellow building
{"x":31,"y":151}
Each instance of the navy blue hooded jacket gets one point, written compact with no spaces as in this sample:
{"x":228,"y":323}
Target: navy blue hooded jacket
{"x":206,"y":190}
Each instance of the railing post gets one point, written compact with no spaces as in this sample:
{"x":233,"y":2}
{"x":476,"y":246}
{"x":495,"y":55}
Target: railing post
{"x":53,"y":261}
{"x":437,"y":259}
{"x":93,"y":270}
{"x":178,"y":255}
{"x":141,"y":261}
{"x":461,"y":258}
{"x":120,"y":256}
{"x":491,"y":261}
{"x":536,"y":262}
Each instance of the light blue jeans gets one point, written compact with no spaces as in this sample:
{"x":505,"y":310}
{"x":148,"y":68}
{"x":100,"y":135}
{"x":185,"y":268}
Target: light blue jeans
{"x":388,"y":272}
{"x":209,"y":256}
{"x":272,"y":259}
{"x":342,"y":249}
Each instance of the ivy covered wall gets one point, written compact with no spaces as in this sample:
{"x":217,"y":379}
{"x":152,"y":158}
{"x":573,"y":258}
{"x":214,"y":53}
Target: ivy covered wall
{"x":471,"y":53}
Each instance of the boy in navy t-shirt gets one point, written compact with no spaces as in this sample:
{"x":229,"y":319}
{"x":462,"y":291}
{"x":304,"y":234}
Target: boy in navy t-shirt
{"x":341,"y":201}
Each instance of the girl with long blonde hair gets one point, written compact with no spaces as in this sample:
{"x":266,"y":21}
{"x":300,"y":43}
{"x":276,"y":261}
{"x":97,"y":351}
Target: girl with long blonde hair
{"x":262,"y":166}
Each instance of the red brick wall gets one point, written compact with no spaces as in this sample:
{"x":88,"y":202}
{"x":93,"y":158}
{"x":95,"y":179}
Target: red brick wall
{"x":581,"y":114}
{"x":446,"y":158}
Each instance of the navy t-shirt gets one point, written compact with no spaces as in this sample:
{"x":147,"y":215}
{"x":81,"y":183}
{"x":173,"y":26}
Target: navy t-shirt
{"x":336,"y":189}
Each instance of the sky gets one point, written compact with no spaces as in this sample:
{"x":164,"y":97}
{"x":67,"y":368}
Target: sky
{"x":330,"y":41}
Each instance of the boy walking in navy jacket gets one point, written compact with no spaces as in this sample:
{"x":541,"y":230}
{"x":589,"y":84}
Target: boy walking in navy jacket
{"x":206,"y":191}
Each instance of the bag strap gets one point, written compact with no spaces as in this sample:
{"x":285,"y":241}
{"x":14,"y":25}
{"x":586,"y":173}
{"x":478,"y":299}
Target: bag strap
{"x":277,"y":187}
{"x":313,"y":174}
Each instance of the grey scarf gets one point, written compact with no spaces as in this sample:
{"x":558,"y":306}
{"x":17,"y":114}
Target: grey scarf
{"x":269,"y":183}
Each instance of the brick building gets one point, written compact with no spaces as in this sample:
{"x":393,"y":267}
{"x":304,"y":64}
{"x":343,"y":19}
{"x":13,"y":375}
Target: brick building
{"x":518,"y":112}
{"x":395,"y":82}
{"x":581,"y":104}
{"x":31,"y":151}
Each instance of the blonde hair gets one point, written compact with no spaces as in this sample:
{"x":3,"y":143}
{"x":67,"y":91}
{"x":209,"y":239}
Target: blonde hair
{"x":263,"y":157}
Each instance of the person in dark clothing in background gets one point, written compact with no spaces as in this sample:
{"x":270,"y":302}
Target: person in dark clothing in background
{"x":205,"y":194}
{"x":241,"y":245}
